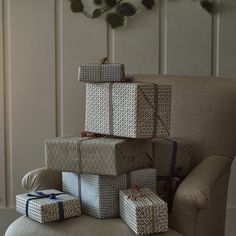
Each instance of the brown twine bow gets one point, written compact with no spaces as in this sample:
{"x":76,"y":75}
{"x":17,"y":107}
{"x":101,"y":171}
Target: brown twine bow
{"x":136,"y":193}
{"x":104,"y":60}
{"x":89,"y":134}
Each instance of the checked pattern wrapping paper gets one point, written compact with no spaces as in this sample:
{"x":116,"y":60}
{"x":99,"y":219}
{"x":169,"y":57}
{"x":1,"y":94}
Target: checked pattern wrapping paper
{"x":104,"y":156}
{"x":133,"y":110}
{"x":46,"y":210}
{"x":100,"y":194}
{"x":146,"y":215}
{"x":93,"y":73}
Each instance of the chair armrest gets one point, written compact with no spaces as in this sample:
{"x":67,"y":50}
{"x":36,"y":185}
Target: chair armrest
{"x":40,"y":179}
{"x":194,"y":193}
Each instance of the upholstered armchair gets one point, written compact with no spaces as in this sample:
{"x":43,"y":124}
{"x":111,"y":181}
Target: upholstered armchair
{"x":203,"y":112}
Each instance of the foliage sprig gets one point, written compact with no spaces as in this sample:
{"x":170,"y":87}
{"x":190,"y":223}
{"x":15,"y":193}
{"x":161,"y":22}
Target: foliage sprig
{"x":119,"y":11}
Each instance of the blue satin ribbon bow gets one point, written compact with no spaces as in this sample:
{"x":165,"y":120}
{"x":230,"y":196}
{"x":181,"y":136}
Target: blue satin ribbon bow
{"x":51,"y":196}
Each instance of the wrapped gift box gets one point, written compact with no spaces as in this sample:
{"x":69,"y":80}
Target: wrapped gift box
{"x":134,"y":110}
{"x":101,"y":72}
{"x":99,"y":194}
{"x":172,"y":159}
{"x":48,"y":205}
{"x":145,"y":213}
{"x":104,"y":156}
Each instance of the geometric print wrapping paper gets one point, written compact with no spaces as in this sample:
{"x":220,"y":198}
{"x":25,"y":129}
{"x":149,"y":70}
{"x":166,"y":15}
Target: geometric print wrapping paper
{"x":99,"y":194}
{"x":133,"y":110}
{"x":146,"y":215}
{"x":95,"y":73}
{"x":45,"y":209}
{"x":172,"y":159}
{"x":104,"y":156}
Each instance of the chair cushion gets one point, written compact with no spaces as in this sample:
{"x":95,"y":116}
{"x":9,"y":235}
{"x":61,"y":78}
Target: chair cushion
{"x":79,"y":226}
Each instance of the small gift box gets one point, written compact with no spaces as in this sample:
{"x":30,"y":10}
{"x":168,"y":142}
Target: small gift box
{"x":48,"y":205}
{"x":97,"y":155}
{"x":133,"y":110}
{"x":99,"y":194}
{"x":143,"y":211}
{"x":172,"y":159}
{"x":108,"y":72}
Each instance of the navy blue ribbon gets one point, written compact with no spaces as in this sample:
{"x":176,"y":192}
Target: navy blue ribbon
{"x":51,"y":196}
{"x":174,"y":173}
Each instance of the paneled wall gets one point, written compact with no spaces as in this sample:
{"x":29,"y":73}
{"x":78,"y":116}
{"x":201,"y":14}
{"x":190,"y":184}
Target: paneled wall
{"x":42,"y":42}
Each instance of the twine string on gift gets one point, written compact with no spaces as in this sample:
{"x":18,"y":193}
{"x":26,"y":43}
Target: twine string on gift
{"x":135,"y":193}
{"x":155,"y":108}
{"x":111,"y":130}
{"x":138,"y":193}
{"x":41,"y":195}
{"x":78,"y":150}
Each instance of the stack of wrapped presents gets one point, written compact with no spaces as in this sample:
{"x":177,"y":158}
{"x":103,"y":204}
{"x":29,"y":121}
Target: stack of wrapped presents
{"x":124,"y":164}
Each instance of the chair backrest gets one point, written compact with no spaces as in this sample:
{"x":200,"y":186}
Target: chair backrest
{"x":203,"y":112}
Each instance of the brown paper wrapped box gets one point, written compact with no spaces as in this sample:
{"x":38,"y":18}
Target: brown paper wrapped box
{"x":102,"y":156}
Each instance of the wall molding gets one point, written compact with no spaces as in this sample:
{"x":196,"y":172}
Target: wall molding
{"x":2,"y":116}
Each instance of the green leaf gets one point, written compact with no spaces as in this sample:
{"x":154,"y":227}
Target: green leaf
{"x":97,"y":13}
{"x":127,"y":9}
{"x":149,"y":4}
{"x":110,"y":3}
{"x":77,"y":6}
{"x":115,"y":20}
{"x":207,"y":5}
{"x":97,"y":2}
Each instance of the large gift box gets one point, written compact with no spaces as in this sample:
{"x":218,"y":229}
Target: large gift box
{"x":143,"y":211}
{"x":172,"y":159}
{"x":101,"y":72}
{"x":101,"y":155}
{"x":99,"y":194}
{"x":48,"y":205}
{"x":134,"y":110}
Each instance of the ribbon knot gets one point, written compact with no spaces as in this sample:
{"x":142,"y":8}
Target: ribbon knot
{"x":40,"y":195}
{"x":136,"y":193}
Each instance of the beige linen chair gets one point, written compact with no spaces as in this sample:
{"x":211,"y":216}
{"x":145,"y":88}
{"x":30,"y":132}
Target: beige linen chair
{"x":204,"y":112}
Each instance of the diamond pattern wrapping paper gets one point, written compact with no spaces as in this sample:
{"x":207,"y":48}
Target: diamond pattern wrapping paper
{"x":46,"y":209}
{"x":146,"y":215}
{"x":101,"y":72}
{"x":172,"y":159}
{"x":100,"y":194}
{"x":133,"y":110}
{"x":104,"y":156}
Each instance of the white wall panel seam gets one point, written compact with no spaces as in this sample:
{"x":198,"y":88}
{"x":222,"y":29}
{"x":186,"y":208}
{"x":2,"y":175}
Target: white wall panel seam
{"x":162,"y":36}
{"x":215,"y":39}
{"x":59,"y":67}
{"x":8,"y":107}
{"x":2,"y":116}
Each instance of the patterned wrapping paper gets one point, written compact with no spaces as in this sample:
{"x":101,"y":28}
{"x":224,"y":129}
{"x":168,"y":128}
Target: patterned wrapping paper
{"x":134,"y":110}
{"x":93,"y":73}
{"x":46,"y":209}
{"x":100,"y":194}
{"x":104,"y":156}
{"x":146,"y":215}
{"x":172,"y":159}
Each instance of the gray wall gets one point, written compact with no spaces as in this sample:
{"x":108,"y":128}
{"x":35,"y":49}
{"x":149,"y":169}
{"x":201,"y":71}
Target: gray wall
{"x":41,"y":45}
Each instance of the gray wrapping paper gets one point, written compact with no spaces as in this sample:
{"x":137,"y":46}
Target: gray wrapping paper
{"x":133,"y":110}
{"x":100,"y":194}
